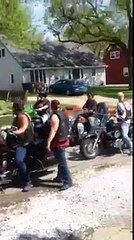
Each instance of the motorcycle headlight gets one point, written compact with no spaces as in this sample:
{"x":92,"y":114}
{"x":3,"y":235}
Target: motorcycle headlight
{"x":97,"y":122}
{"x":80,"y":128}
{"x":3,"y":135}
{"x":117,"y":134}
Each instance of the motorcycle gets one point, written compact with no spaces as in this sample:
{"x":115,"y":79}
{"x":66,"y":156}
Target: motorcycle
{"x":36,"y":153}
{"x":29,"y":109}
{"x":106,"y":136}
{"x":81,"y":127}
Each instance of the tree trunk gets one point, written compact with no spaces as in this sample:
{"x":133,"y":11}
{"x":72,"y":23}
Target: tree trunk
{"x":130,"y":47}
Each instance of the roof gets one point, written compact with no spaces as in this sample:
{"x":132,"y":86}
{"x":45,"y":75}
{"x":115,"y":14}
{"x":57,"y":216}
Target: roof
{"x":55,"y":54}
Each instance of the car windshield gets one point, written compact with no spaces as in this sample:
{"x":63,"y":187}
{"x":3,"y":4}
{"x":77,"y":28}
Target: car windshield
{"x":80,"y":82}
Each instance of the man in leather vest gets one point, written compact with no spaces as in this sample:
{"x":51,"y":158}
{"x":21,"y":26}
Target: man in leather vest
{"x":58,"y":141}
{"x":24,"y":134}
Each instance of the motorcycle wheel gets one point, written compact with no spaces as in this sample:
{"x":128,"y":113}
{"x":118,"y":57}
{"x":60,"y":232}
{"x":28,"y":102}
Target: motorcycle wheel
{"x":86,"y":148}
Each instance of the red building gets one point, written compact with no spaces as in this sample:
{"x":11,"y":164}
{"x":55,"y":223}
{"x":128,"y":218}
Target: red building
{"x":117,"y":59}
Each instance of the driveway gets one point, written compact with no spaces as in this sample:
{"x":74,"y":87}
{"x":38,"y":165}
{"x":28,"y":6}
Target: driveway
{"x":76,"y":163}
{"x":97,"y":207}
{"x":80,"y":100}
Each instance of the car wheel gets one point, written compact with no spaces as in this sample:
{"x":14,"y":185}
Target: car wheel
{"x":67,"y":92}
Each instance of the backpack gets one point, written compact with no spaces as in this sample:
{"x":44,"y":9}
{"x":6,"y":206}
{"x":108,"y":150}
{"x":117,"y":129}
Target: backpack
{"x":128,"y":110}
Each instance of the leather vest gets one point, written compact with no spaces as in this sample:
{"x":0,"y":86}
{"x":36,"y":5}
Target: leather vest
{"x":63,"y":130}
{"x":28,"y":135}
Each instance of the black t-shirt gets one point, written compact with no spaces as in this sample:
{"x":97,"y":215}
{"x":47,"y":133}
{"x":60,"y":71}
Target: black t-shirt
{"x":91,"y":105}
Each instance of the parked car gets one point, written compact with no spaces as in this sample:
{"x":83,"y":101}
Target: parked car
{"x":68,"y":87}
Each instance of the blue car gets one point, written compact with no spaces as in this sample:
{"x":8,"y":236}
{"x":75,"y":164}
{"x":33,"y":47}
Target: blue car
{"x":69,"y":87}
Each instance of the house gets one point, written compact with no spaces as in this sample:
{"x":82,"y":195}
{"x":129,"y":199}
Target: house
{"x":117,"y":60}
{"x":52,"y":62}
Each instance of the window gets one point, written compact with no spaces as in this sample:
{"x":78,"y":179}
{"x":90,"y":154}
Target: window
{"x":11,"y":78}
{"x":44,"y":76}
{"x":59,"y":82}
{"x":32,"y":76}
{"x":40,"y":75}
{"x":82,"y":73}
{"x":114,"y":55}
{"x":76,"y":73}
{"x":36,"y":76}
{"x":125,"y":72}
{"x":69,"y":74}
{"x":93,"y":72}
{"x":3,"y":52}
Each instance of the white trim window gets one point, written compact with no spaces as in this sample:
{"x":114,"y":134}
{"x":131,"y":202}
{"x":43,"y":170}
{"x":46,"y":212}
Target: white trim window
{"x":2,"y":52}
{"x":125,"y":72}
{"x":93,"y":72}
{"x":114,"y":55}
{"x":12,"y":79}
{"x":38,"y":75}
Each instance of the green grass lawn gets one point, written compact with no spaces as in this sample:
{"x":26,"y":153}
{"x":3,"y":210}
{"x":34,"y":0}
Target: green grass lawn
{"x":5,"y":107}
{"x":111,"y":91}
{"x":4,"y":121}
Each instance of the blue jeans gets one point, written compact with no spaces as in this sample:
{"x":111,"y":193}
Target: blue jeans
{"x":20,"y":156}
{"x":63,"y":170}
{"x":125,"y":130}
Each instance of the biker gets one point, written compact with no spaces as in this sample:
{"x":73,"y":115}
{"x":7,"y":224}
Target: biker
{"x":42,"y":109}
{"x":90,"y":105}
{"x":90,"y":108}
{"x":24,"y":134}
{"x":58,"y":141}
{"x":43,"y":97}
{"x":124,"y":114}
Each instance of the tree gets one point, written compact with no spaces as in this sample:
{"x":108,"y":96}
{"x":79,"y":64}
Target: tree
{"x":16,"y":24}
{"x":127,"y":6}
{"x":90,"y":22}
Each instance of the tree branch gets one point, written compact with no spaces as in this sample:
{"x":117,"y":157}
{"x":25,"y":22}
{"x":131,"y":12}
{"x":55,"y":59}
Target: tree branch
{"x":82,"y":42}
{"x":73,"y":20}
{"x":98,"y":34}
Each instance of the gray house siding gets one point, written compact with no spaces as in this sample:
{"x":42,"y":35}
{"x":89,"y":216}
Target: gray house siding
{"x":10,"y":70}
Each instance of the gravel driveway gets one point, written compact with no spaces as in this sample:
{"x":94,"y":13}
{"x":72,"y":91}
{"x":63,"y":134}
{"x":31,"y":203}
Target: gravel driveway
{"x":96,"y":200}
{"x":80,"y":100}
